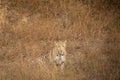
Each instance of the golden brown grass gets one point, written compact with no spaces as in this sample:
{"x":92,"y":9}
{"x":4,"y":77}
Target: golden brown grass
{"x":28,"y":29}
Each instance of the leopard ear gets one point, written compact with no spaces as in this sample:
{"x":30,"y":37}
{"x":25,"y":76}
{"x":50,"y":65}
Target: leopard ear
{"x":65,"y":41}
{"x":55,"y":42}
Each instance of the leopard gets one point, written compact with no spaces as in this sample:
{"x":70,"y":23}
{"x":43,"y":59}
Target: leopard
{"x":58,"y":54}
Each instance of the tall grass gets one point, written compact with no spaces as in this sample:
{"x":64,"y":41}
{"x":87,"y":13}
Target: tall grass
{"x":28,"y":30}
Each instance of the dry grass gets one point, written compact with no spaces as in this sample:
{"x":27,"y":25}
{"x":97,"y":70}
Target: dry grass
{"x":29,"y":28}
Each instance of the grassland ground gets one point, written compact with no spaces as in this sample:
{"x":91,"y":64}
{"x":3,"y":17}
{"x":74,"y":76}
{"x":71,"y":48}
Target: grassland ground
{"x":28,"y":30}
